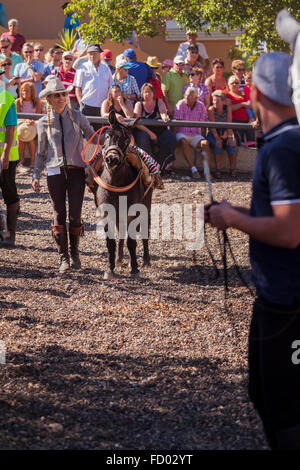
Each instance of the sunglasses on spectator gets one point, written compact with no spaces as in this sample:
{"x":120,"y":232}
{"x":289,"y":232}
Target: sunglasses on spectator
{"x":38,"y":50}
{"x":28,"y":52}
{"x":235,"y":83}
{"x":58,"y":95}
{"x":68,"y":58}
{"x":58,"y":53}
{"x":240,"y":70}
{"x":4,"y":47}
{"x":192,"y":74}
{"x":194,"y":52}
{"x":5,"y":65}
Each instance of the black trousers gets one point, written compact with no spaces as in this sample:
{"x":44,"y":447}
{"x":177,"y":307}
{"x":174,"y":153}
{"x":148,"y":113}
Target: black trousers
{"x":91,"y":111}
{"x":243,"y":135}
{"x":166,"y":143}
{"x":274,"y":372}
{"x":59,"y":187}
{"x":8,"y":184}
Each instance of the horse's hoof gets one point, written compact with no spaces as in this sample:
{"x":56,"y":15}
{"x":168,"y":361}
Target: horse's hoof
{"x":135,"y":273}
{"x":108,"y":275}
{"x":146,"y":263}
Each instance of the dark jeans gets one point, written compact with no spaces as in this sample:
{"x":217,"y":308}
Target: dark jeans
{"x":91,"y":111}
{"x":8,"y":184}
{"x":159,"y":149}
{"x":274,"y":375}
{"x":243,"y":135}
{"x":59,"y":187}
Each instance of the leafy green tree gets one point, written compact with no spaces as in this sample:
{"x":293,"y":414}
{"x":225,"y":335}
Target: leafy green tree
{"x":116,"y":19}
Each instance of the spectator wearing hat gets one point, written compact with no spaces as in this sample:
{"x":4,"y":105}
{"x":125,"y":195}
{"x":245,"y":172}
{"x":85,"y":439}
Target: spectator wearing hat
{"x":60,"y":145}
{"x":55,"y":54}
{"x":92,"y":82}
{"x":173,"y":83}
{"x":66,"y":74}
{"x":191,"y":37}
{"x":273,"y":225}
{"x":166,"y":66}
{"x":152,"y":61}
{"x":106,"y":58}
{"x":139,"y":70}
{"x":5,"y":49}
{"x":16,"y":39}
{"x":190,"y":109}
{"x":30,"y":70}
{"x":192,"y":60}
{"x":126,"y":82}
{"x":30,"y":104}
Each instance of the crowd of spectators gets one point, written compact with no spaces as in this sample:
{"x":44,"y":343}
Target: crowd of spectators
{"x":187,"y":87}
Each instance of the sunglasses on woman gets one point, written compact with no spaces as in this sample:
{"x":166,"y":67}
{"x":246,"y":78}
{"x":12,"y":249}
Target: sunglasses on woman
{"x":5,"y":65}
{"x":58,"y":95}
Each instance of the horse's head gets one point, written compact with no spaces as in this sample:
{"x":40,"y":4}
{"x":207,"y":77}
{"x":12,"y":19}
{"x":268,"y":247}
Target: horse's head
{"x":116,"y":142}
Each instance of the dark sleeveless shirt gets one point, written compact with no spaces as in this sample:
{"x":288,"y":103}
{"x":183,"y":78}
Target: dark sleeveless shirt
{"x":155,"y":114}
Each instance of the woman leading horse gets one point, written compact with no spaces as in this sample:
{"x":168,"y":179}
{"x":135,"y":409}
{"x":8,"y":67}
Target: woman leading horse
{"x":60,"y":144}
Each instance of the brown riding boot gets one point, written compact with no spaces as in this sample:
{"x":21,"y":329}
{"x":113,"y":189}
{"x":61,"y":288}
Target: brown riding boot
{"x":138,"y":163}
{"x":59,"y":233}
{"x":74,"y":234}
{"x":13,"y":211}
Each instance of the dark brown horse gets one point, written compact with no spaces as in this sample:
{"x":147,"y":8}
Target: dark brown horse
{"x":120,"y":188}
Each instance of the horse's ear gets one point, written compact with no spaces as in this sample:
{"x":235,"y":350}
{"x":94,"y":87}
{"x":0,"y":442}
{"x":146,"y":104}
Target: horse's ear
{"x":112,"y":118}
{"x":132,"y":123}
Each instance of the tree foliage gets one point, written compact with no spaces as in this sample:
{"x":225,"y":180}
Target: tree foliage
{"x":116,"y":19}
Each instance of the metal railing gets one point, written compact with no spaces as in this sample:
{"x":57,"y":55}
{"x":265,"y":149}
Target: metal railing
{"x":157,"y":123}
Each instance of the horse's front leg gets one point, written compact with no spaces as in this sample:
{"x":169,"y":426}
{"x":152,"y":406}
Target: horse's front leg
{"x":146,"y":255}
{"x":111,"y":248}
{"x":131,"y":245}
{"x":120,"y":251}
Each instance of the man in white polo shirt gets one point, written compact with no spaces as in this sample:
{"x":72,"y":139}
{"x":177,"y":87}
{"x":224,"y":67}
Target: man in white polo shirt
{"x":92,"y":81}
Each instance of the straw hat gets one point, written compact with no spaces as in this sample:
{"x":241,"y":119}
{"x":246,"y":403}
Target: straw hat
{"x":54,"y":86}
{"x":153,"y":61}
{"x":26,"y":132}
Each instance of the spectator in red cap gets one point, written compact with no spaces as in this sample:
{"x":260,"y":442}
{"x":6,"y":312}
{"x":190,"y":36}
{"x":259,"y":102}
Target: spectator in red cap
{"x":106,"y":58}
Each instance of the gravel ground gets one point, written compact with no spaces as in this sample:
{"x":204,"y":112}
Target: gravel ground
{"x":147,"y":363}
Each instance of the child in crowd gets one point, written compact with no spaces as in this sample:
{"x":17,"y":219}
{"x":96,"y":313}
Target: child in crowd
{"x":28,"y":103}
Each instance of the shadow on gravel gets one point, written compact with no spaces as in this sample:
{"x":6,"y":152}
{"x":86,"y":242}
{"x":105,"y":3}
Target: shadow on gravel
{"x":10,"y":305}
{"x":70,"y":400}
{"x":205,"y":275}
